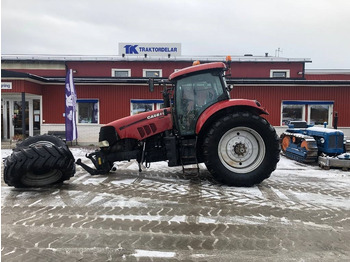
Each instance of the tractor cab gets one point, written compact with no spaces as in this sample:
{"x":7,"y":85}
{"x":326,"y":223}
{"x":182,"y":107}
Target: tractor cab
{"x":195,"y":90}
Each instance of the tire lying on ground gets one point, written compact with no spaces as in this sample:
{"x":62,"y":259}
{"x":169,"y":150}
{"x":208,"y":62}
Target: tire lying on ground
{"x":38,"y":165}
{"x":41,"y":140}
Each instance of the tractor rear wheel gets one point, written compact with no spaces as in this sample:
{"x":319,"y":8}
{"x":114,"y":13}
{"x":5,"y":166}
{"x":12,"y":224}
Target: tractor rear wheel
{"x":241,"y":149}
{"x":38,"y":166}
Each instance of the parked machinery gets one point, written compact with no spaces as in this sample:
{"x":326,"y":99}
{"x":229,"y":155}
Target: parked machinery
{"x":307,"y":144}
{"x":198,"y":124}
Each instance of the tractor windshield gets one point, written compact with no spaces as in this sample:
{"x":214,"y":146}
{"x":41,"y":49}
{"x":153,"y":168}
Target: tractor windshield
{"x":193,"y":95}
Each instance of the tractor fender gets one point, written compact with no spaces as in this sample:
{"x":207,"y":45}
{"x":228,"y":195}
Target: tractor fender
{"x":210,"y":111}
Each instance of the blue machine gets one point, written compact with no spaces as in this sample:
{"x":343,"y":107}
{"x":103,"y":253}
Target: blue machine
{"x":305,"y":143}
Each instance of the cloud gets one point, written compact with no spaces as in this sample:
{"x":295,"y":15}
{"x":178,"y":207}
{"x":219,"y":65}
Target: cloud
{"x":310,"y":29}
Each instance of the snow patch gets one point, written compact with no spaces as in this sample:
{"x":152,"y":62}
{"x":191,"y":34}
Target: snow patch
{"x":151,"y":253}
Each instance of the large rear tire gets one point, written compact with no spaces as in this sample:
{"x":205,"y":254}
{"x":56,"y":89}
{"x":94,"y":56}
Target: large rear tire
{"x":38,"y":166}
{"x":41,"y":140}
{"x":241,"y":149}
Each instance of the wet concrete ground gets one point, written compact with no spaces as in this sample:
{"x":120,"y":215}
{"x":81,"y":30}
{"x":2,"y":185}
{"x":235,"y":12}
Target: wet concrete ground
{"x":302,"y":213}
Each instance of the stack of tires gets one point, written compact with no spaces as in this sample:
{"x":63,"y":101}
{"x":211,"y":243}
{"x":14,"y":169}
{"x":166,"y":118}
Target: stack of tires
{"x":39,"y":161}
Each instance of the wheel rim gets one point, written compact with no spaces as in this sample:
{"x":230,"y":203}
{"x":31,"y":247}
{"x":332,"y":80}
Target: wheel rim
{"x":42,"y":178}
{"x":285,"y":143}
{"x":241,"y":149}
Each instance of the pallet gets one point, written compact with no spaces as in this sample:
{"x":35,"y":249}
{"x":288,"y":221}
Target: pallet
{"x":326,"y":162}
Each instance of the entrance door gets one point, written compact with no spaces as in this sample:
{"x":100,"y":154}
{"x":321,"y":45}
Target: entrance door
{"x":17,"y":119}
{"x":11,"y":113}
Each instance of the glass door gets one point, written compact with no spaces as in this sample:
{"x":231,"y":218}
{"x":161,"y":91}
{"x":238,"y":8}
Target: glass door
{"x":17,"y":119}
{"x":36,"y":117}
{"x":11,"y":116}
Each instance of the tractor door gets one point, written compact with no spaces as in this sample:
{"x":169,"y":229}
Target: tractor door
{"x":193,"y":95}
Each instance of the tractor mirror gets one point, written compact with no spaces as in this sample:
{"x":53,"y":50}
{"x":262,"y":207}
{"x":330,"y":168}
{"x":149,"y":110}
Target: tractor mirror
{"x":229,"y":88}
{"x":151,"y":84}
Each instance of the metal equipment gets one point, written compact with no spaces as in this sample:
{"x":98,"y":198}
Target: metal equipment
{"x":198,"y":124}
{"x":305,"y":143}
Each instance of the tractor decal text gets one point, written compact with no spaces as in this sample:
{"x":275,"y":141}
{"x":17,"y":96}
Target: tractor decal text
{"x":155,"y":115}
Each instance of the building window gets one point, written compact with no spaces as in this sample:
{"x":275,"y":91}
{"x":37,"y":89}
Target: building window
{"x":88,"y":111}
{"x":121,"y":72}
{"x":138,"y":106}
{"x":152,"y":72}
{"x":292,"y":113}
{"x":280,"y":73}
{"x":318,"y":112}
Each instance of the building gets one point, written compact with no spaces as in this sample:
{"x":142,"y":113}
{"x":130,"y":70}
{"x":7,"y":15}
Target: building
{"x":112,"y":87}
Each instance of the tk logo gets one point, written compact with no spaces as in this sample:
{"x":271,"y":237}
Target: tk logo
{"x":131,"y":49}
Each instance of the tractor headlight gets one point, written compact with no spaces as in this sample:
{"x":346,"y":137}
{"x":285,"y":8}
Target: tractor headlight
{"x":104,"y":143}
{"x":322,"y":140}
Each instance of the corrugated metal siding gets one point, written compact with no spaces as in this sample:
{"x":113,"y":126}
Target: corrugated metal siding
{"x":53,"y":104}
{"x":262,"y":69}
{"x":272,"y":96}
{"x":114,"y":100}
{"x":104,"y":69}
{"x":19,"y":86}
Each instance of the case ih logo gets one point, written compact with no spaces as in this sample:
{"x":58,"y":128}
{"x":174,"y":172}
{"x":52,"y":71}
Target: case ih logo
{"x":131,"y":49}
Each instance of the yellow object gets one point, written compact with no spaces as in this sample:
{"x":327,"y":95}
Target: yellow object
{"x":196,"y":63}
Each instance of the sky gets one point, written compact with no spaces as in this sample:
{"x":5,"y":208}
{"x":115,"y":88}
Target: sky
{"x":315,"y":29}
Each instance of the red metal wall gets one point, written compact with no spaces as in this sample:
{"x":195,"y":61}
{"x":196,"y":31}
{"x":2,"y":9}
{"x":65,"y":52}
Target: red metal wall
{"x":104,"y":69}
{"x":271,"y":98}
{"x":262,"y":69}
{"x":19,"y":86}
{"x":114,"y":100}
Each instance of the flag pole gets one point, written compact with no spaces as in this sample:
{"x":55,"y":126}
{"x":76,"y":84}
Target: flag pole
{"x":70,"y":108}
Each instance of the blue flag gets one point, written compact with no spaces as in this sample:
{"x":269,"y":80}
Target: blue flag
{"x":71,"y":100}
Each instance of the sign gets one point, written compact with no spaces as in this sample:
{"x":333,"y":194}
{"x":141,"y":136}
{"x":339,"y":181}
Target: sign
{"x":6,"y":85}
{"x":150,"y":49}
{"x":70,"y":112}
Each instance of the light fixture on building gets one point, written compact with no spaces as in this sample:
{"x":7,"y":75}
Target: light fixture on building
{"x":145,"y":55}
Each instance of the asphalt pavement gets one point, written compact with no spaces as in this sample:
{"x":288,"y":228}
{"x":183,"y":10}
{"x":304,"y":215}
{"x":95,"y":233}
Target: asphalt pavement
{"x":301,"y":213}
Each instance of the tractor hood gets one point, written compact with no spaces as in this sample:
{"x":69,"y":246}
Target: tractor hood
{"x":143,"y":125}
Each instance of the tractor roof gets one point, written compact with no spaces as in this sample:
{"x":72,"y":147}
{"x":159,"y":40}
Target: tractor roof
{"x":196,"y":68}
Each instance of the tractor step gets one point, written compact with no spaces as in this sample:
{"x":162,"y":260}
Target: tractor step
{"x":188,"y":153}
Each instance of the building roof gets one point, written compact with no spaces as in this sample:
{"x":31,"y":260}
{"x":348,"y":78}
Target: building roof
{"x":214,"y":58}
{"x":327,"y":71}
{"x":7,"y":74}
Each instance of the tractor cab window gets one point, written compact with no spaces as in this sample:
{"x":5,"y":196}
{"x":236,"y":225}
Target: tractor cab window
{"x":194,"y":94}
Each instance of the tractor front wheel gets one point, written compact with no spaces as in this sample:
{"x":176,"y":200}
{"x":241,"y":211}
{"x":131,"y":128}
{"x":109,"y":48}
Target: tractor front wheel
{"x":241,"y":149}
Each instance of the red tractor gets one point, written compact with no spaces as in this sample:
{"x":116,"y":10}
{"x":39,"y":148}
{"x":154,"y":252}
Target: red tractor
{"x":198,"y":124}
